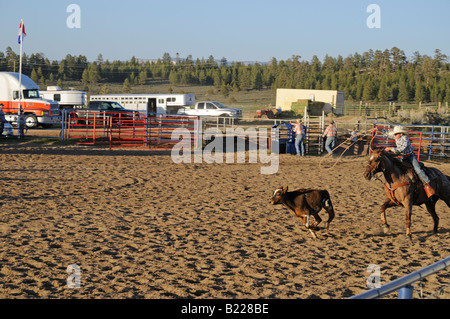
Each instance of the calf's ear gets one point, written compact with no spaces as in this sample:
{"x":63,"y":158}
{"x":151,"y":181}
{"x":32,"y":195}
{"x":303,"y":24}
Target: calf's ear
{"x":286,"y":189}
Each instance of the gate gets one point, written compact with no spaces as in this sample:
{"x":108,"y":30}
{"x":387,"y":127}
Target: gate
{"x":129,"y":130}
{"x":380,"y":138}
{"x":151,"y":132}
{"x":315,"y":126}
{"x":92,"y":127}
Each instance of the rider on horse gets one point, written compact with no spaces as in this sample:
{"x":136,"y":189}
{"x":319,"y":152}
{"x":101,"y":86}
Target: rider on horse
{"x":404,"y":148}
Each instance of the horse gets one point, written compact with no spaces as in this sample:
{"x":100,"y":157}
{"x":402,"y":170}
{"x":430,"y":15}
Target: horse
{"x":404,"y":188}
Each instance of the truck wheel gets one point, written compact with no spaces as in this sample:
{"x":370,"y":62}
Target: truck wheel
{"x":31,"y":121}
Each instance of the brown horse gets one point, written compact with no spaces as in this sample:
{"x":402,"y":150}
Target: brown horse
{"x":403,"y":187}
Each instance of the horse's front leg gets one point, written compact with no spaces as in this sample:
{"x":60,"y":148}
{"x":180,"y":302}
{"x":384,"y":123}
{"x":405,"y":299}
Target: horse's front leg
{"x":387,"y":203}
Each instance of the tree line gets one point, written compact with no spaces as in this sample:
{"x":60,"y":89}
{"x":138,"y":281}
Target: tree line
{"x":387,"y":75}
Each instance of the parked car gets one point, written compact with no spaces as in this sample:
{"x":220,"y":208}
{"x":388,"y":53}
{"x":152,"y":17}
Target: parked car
{"x":102,"y":110}
{"x":211,"y":108}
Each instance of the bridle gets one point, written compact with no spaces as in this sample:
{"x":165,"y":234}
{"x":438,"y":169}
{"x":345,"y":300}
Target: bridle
{"x":390,"y":189}
{"x":375,"y":169}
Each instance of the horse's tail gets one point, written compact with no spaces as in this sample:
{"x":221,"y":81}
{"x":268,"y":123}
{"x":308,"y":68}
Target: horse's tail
{"x":447,"y":200}
{"x":328,"y":205}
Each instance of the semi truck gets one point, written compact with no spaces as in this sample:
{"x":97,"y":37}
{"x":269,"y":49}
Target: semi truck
{"x":37,"y":111}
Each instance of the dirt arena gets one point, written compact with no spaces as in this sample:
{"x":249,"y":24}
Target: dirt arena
{"x":140,"y":226}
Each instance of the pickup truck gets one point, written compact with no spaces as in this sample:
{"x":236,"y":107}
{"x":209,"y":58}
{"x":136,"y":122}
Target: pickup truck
{"x":211,"y":108}
{"x":101,"y":110}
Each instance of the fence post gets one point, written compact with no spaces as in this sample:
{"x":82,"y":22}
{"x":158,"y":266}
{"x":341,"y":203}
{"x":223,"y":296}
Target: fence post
{"x":431,"y":142}
{"x":420,"y":147}
{"x":406,"y":292}
{"x":110,"y":133}
{"x":63,"y":125}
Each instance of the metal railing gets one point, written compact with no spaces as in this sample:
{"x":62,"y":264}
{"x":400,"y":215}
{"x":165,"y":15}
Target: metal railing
{"x":435,"y":139}
{"x":404,"y":284}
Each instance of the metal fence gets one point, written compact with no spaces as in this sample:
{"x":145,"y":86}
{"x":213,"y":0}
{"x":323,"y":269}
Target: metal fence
{"x":434,"y":139}
{"x":404,"y":284}
{"x":128,"y":130}
{"x":390,"y":109}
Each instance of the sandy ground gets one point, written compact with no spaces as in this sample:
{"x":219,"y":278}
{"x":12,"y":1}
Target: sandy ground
{"x":140,"y":226}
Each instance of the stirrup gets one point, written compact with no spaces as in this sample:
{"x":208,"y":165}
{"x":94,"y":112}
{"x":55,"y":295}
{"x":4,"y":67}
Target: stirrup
{"x":429,"y":190}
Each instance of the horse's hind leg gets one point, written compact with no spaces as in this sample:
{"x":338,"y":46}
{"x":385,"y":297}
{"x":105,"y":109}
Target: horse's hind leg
{"x":431,"y":208}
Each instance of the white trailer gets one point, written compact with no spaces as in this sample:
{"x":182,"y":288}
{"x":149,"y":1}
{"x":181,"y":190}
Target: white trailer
{"x":149,"y":103}
{"x":67,"y":99}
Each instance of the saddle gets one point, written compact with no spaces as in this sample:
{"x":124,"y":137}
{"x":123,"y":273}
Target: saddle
{"x":410,"y":169}
{"x":408,"y":165}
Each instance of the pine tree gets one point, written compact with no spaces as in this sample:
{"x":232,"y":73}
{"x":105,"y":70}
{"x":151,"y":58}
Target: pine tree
{"x":143,"y":77}
{"x":403,"y":93}
{"x":93,"y":73}
{"x":173,"y":77}
{"x":370,"y":90}
{"x":126,"y":88}
{"x":419,"y":95}
{"x":257,"y":82}
{"x":383,"y":92}
{"x":85,"y":77}
{"x":34,"y":76}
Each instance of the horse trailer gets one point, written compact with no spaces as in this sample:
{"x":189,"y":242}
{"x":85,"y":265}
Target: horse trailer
{"x":67,"y":99}
{"x":148,"y":104}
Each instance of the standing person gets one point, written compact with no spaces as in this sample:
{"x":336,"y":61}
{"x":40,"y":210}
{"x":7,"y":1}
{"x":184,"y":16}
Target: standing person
{"x":354,"y":140}
{"x":21,"y":125}
{"x":331,"y":134}
{"x":405,"y":149}
{"x":290,"y":147}
{"x":300,"y":134}
{"x":2,"y":120}
{"x":354,"y":135}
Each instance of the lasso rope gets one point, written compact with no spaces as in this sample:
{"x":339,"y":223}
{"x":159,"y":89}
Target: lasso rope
{"x":362,"y":135}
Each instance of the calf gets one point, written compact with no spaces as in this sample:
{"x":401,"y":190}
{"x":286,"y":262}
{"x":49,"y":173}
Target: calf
{"x":305,"y":202}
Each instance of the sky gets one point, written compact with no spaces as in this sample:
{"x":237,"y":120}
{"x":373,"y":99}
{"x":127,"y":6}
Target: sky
{"x":239,"y":30}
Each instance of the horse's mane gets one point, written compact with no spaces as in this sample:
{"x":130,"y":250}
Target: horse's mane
{"x":397,"y":162}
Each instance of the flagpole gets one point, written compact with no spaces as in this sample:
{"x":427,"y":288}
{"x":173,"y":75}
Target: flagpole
{"x":20,"y":67}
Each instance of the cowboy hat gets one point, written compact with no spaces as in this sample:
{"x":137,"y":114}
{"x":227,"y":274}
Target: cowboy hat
{"x":397,"y":130}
